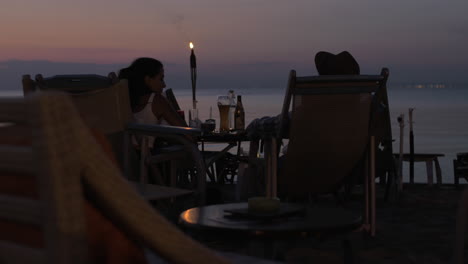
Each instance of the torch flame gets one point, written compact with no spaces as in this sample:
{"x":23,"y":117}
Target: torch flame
{"x":191,"y":45}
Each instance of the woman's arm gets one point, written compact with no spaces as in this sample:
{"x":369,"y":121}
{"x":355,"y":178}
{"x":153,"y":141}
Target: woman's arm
{"x":163,"y":109}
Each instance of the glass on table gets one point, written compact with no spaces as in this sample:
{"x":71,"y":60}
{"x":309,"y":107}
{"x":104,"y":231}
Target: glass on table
{"x":210,"y":124}
{"x":223,"y":106}
{"x":194,"y":121}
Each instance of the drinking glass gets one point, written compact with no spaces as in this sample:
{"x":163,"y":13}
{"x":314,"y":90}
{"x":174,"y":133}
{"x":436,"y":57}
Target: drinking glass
{"x":223,"y":106}
{"x":194,"y":121}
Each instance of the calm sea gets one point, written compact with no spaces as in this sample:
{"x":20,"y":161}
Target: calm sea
{"x":440,"y":117}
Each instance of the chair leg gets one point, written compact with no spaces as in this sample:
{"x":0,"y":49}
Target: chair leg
{"x":348,"y":252}
{"x":126,"y":150}
{"x":430,"y":173}
{"x":391,"y":175}
{"x":455,"y":175}
{"x":201,"y":174}
{"x":156,"y":175}
{"x":392,"y":184}
{"x":143,"y":166}
{"x":366,"y":193}
{"x":372,"y":186}
{"x":438,"y":172}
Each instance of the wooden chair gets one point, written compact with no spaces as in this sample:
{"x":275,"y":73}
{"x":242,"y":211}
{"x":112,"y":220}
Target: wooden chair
{"x":172,"y":99}
{"x":330,"y":130}
{"x":68,"y":163}
{"x":58,"y":211}
{"x":104,"y":104}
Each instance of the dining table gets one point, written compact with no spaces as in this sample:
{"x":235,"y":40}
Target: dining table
{"x":225,"y":162}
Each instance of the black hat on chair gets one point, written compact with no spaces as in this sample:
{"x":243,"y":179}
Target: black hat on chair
{"x":340,"y":64}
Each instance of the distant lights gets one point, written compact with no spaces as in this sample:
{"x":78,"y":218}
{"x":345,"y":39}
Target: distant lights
{"x":430,"y":86}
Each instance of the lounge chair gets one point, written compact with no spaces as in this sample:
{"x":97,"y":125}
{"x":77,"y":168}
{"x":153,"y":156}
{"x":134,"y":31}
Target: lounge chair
{"x":66,"y":176}
{"x":104,"y":104}
{"x":330,"y":129}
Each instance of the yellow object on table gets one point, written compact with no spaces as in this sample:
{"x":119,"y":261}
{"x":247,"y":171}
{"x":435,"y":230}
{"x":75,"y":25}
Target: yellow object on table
{"x":263,"y":204}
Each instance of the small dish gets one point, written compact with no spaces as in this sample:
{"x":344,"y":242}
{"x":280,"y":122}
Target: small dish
{"x":209,"y":125}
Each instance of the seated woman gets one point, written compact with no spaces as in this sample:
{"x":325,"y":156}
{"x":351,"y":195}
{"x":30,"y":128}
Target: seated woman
{"x":146,"y":83}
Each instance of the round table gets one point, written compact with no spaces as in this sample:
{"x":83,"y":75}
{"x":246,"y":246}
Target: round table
{"x":213,"y":219}
{"x":310,"y":220}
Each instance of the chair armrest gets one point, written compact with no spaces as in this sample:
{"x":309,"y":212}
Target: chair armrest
{"x":162,"y":130}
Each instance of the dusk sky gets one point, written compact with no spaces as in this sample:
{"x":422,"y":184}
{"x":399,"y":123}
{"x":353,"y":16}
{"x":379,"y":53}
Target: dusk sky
{"x":245,"y":42}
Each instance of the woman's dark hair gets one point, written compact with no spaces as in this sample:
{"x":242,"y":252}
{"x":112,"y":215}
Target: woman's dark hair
{"x":136,"y":73}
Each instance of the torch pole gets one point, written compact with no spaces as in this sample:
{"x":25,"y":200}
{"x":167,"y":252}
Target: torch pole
{"x":401,"y":122}
{"x":193,"y":75}
{"x":411,"y":142}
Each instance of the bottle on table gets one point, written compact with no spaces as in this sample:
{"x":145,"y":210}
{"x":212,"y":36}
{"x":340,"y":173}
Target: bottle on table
{"x":232,"y":108}
{"x":239,"y":115}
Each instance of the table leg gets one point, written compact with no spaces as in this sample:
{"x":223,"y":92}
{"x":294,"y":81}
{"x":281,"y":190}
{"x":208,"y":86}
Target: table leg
{"x":271,"y":167}
{"x":438,"y":171}
{"x":209,"y":169}
{"x":372,"y":187}
{"x":274,"y":169}
{"x":201,"y":174}
{"x":430,"y":180}
{"x":268,"y":168}
{"x":241,"y":179}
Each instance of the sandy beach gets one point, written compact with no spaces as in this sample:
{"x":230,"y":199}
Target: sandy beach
{"x":418,"y":227}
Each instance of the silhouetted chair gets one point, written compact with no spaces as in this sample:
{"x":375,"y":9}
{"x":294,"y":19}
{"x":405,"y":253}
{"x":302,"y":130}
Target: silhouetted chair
{"x":461,"y":231}
{"x":385,"y":163}
{"x":70,"y":168}
{"x":460,"y":167}
{"x":330,"y":130}
{"x":104,"y":104}
{"x":172,"y":99}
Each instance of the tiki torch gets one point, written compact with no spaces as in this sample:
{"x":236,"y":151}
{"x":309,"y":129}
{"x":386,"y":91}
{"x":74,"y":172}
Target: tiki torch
{"x":411,"y":142}
{"x":401,"y":121}
{"x":193,"y":75}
